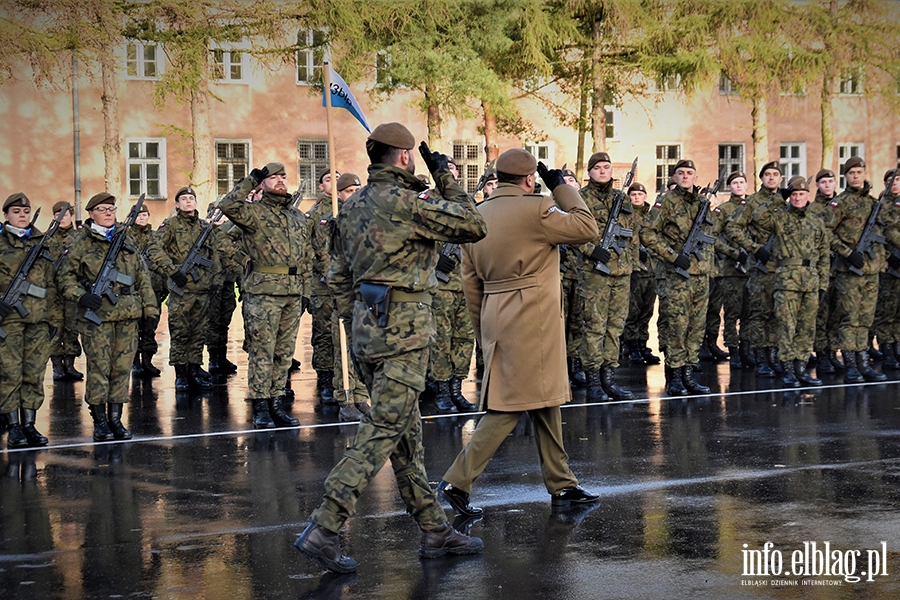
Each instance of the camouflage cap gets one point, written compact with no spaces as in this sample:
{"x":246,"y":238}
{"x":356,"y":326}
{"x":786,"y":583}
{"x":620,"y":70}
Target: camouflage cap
{"x":598,"y":157}
{"x":770,"y":165}
{"x":186,"y":191}
{"x":346,"y":180}
{"x":516,"y":161}
{"x":395,"y":135}
{"x":637,"y":187}
{"x":684,"y":163}
{"x":61,"y":204}
{"x":823,"y":173}
{"x":734,"y":176}
{"x":101,"y":198}
{"x":17,"y":199}
{"x":275,"y":168}
{"x":853,"y":161}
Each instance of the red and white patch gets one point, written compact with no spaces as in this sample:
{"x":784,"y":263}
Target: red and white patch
{"x":833,"y":204}
{"x":658,"y":205}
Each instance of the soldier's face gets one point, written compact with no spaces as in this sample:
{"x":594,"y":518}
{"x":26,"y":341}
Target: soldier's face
{"x":275,"y":184}
{"x":638,"y":198}
{"x":572,"y":181}
{"x":143,"y":218}
{"x":19,"y":216}
{"x":325,"y":186}
{"x":895,"y":188}
{"x":601,"y":172}
{"x":685,"y":177}
{"x":186,"y":203}
{"x":855,"y":177}
{"x":771,"y":178}
{"x":66,"y":221}
{"x":738,"y":187}
{"x":104,"y":215}
{"x":489,"y":188}
{"x":347,"y":192}
{"x":799,"y":199}
{"x":827,"y":186}
{"x":454,"y":169}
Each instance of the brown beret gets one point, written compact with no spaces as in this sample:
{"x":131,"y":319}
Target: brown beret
{"x":394,"y":135}
{"x":17,"y":199}
{"x":823,"y":173}
{"x":888,"y":174}
{"x":770,"y":165}
{"x":798,"y":184}
{"x":101,"y":198}
{"x":275,"y":168}
{"x":492,"y":176}
{"x":61,"y":205}
{"x":598,"y":157}
{"x":346,"y":180}
{"x":853,"y":161}
{"x":637,"y":187}
{"x":568,"y":172}
{"x":792,"y":182}
{"x":144,"y":209}
{"x":516,"y":161}
{"x":323,"y":173}
{"x":451,"y":161}
{"x":734,"y":176}
{"x":684,"y":163}
{"x":185,"y":191}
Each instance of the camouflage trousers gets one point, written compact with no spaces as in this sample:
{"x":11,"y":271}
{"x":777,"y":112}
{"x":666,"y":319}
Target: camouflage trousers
{"x":887,"y":311}
{"x":222,"y":304}
{"x":187,"y":327}
{"x":23,"y":359}
{"x":494,"y":427}
{"x":796,"y":315}
{"x":714,"y":308}
{"x":271,"y":324}
{"x":605,"y":309}
{"x":66,"y":342}
{"x":761,"y":326}
{"x":736,"y":308}
{"x":686,"y":307}
{"x":320,"y":307}
{"x":856,"y":297}
{"x":391,"y":430}
{"x":358,"y":393}
{"x":826,"y":323}
{"x":147,"y":325}
{"x":451,"y":353}
{"x":109,"y":349}
{"x":640,"y":310}
{"x":573,"y":308}
{"x":662,"y":318}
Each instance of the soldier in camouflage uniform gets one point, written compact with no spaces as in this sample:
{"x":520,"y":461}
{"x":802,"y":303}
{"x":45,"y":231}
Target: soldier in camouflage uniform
{"x":110,"y":346}
{"x":855,"y":295}
{"x":27,"y":345}
{"x":66,"y":347}
{"x":664,"y":233}
{"x":659,"y":275}
{"x":743,"y":231}
{"x":605,"y":295}
{"x":222,"y":297}
{"x":802,"y":262}
{"x":573,"y":303}
{"x":169,"y":247}
{"x":384,"y":283}
{"x":274,"y":292}
{"x":142,"y":365}
{"x":887,"y":313}
{"x":826,"y":342}
{"x":643,"y":288}
{"x":709,"y":349}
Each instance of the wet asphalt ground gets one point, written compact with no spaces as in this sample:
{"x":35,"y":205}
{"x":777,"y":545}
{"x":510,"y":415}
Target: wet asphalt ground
{"x":731,"y":495}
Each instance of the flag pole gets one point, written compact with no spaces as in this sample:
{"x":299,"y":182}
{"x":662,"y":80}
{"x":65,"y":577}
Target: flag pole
{"x":326,"y":73}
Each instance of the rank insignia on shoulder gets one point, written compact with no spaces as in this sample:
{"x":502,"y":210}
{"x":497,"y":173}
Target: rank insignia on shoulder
{"x":423,"y":196}
{"x":557,"y":209}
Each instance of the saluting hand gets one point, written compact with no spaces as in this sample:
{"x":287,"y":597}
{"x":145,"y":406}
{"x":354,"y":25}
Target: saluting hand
{"x":435,"y":161}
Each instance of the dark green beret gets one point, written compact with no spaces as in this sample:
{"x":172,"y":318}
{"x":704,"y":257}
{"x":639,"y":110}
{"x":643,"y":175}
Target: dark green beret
{"x":598,"y":157}
{"x":17,"y":199}
{"x":275,"y":168}
{"x":395,"y":135}
{"x":637,"y":187}
{"x":101,"y":198}
{"x":854,"y":161}
{"x":769,"y":165}
{"x":734,"y":176}
{"x":823,"y":173}
{"x":186,"y":191}
{"x":684,"y":163}
{"x":61,"y":205}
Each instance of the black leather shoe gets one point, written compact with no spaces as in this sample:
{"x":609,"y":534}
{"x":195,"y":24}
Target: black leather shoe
{"x":459,"y":500}
{"x":324,"y":547}
{"x":448,"y":541}
{"x":573,"y":495}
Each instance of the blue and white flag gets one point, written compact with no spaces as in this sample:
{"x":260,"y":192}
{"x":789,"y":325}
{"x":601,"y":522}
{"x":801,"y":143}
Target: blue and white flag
{"x":342,"y":97}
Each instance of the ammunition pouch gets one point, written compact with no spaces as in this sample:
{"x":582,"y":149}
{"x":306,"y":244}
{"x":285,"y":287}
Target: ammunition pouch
{"x":378,"y":300}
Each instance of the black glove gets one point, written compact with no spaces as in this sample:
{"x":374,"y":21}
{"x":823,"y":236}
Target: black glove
{"x":304,"y":305}
{"x":682,"y":261}
{"x":601,"y":254}
{"x":5,"y":309}
{"x":643,"y":255}
{"x":445,"y":264}
{"x":856,"y":259}
{"x":742,"y":256}
{"x":435,"y":161}
{"x":179,"y":279}
{"x":552,"y":177}
{"x":762,"y":255}
{"x":259,"y":174}
{"x":90,"y":302}
{"x":894,"y":261}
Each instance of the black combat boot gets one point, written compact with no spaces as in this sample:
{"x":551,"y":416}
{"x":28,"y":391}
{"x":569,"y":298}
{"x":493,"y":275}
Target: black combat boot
{"x":734,"y":357}
{"x":59,"y":369}
{"x":868,"y":373}
{"x":279,"y":416}
{"x":101,"y":427}
{"x":295,"y":365}
{"x":202,"y":373}
{"x":196,"y":378}
{"x":772,"y":359}
{"x":687,"y":377}
{"x":215,"y":368}
{"x":649,"y":357}
{"x":890,"y":359}
{"x":762,"y":364}
{"x":324,"y":547}
{"x":114,"y":418}
{"x":147,"y":365}
{"x":635,"y":355}
{"x":609,"y":385}
{"x":71,"y":372}
{"x":136,"y":369}
{"x":182,"y":383}
{"x":823,"y":365}
{"x":595,"y":391}
{"x":803,"y":375}
{"x":325,"y":387}
{"x":705,"y":355}
{"x":837,"y":362}
{"x":442,"y":399}
{"x":874,"y":353}
{"x":447,"y":540}
{"x":33,"y":436}
{"x":852,"y":375}
{"x":747,"y":361}
{"x":718,"y":354}
{"x":226,"y":365}
{"x":577,"y":378}
{"x":675,"y":385}
{"x":456,"y":396}
{"x":15,"y":437}
{"x":261,"y":417}
{"x":349,"y":413}
{"x":789,"y":378}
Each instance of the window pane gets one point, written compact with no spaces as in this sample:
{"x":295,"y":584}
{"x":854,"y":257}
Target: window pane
{"x":153,"y":171}
{"x":153,"y":187}
{"x":152,"y":150}
{"x":149,"y":69}
{"x":150,"y":52}
{"x":240,"y":171}
{"x":236,"y":65}
{"x":134,"y":187}
{"x":221,"y":150}
{"x":321,"y":152}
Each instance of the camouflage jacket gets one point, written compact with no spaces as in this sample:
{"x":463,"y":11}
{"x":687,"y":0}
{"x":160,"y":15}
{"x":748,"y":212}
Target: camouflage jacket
{"x":455,"y":282}
{"x":821,"y":206}
{"x":847,"y":221}
{"x":12,"y":254}
{"x":275,"y":239}
{"x":667,"y":227}
{"x":61,"y":241}
{"x":170,"y":244}
{"x":141,"y":235}
{"x":82,"y":265}
{"x":722,"y":214}
{"x":319,"y":238}
{"x":599,"y":199}
{"x":386,"y":235}
{"x":227,"y":247}
{"x":647,"y":267}
{"x":800,"y":237}
{"x":742,"y":230}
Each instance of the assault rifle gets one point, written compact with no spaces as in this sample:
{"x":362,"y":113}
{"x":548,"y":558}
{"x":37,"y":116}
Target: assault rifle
{"x":448,"y":250}
{"x":738,"y":265}
{"x":614,"y":235}
{"x":297,"y":196}
{"x":194,"y":259}
{"x":19,"y":287}
{"x":869,"y":238}
{"x":482,"y":181}
{"x":768,"y":246}
{"x":108,"y":271}
{"x":696,"y":236}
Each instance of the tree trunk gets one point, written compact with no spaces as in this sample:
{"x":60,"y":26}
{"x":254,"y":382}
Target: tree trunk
{"x":112,"y":145}
{"x":202,"y":179}
{"x":598,"y":107}
{"x":491,"y":147}
{"x":760,"y":133}
{"x":582,"y":118}
{"x":434,"y":119}
{"x":827,"y":109}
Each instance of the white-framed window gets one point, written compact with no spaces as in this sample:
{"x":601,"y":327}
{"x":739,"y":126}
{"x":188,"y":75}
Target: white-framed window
{"x":311,"y":55}
{"x":312,"y":157}
{"x":610,"y":124}
{"x":467,"y":155}
{"x":146,"y":166}
{"x":845,"y":151}
{"x":383,"y":77}
{"x":143,"y":60}
{"x":726,"y":86}
{"x":542,"y":151}
{"x":851,"y":82}
{"x":667,"y":155}
{"x":231,"y":62}
{"x":792,"y":158}
{"x":232,"y":164}
{"x":731,"y":159}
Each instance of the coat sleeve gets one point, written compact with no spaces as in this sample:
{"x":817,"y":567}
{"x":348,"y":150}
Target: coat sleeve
{"x":565,"y":218}
{"x":449,"y":216}
{"x":473,"y":288}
